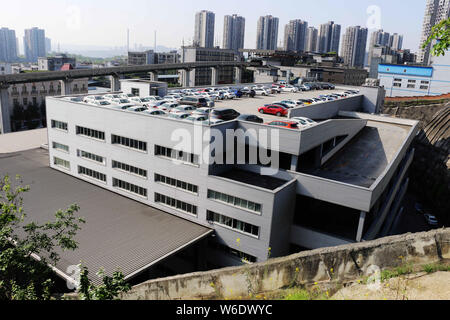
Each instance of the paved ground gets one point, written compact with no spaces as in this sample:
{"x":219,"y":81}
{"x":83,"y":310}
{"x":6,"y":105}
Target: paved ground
{"x":251,"y":105}
{"x":420,"y":286}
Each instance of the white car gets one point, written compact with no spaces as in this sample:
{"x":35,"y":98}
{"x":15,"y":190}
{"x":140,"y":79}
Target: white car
{"x":289,"y":89}
{"x":146,"y":102}
{"x":227,"y":94}
{"x":179,"y":116}
{"x":196,"y":118}
{"x":183,"y":109}
{"x":155,"y":112}
{"x":102,"y":103}
{"x":202,"y":111}
{"x":260,"y":92}
{"x":137,"y":109}
{"x":167,"y":106}
{"x":126,"y":95}
{"x":110,"y":97}
{"x":303,"y":122}
{"x":93,"y":98}
{"x":290,"y":103}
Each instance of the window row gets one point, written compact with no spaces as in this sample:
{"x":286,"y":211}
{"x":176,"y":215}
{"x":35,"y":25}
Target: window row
{"x":61,"y":163}
{"x":234,"y":201}
{"x":91,"y":156}
{"x":59,"y":125}
{"x":129,"y":187}
{"x":177,"y":155}
{"x":176,"y":204}
{"x":130,"y":169}
{"x":176,"y":183}
{"x":60,"y":147}
{"x":234,"y":224}
{"x":90,"y":133}
{"x":129,"y":143}
{"x":92,"y":174}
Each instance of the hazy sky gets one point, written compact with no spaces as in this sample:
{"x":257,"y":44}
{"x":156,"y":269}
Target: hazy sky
{"x":104,"y":22}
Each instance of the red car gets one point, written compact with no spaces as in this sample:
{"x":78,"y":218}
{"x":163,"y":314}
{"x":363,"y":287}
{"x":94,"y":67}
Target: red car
{"x":273,"y":109}
{"x":284,"y":124}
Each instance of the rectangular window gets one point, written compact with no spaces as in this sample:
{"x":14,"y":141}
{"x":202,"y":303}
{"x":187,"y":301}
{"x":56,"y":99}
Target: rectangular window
{"x":91,"y":174}
{"x":411,"y":86}
{"x":397,"y":79}
{"x":59,"y":125}
{"x":234,"y":224}
{"x":176,"y":204}
{"x":176,"y":183}
{"x":129,"y":143}
{"x":425,"y":82}
{"x":61,"y":163}
{"x":90,"y":156}
{"x":126,"y":186}
{"x":411,"y":81}
{"x":423,"y":87}
{"x":234,"y":201}
{"x":397,"y":84}
{"x":60,"y":147}
{"x":129,"y":169}
{"x":90,"y":133}
{"x":177,"y":155}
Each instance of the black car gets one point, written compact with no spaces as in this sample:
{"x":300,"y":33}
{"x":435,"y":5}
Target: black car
{"x":250,"y":118}
{"x":225,"y":114}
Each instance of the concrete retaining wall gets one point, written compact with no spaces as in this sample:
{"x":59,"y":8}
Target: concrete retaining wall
{"x":348,"y":262}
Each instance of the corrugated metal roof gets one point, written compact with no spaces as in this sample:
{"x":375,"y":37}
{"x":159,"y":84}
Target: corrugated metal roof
{"x":119,"y":232}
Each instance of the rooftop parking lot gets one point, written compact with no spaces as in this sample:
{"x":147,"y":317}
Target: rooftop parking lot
{"x":248,"y":105}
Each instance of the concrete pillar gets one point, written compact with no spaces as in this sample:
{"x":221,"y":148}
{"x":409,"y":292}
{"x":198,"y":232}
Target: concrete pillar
{"x":186,"y":82}
{"x":153,"y":75}
{"x":66,"y":87}
{"x":214,"y":76}
{"x":115,"y":83}
{"x":237,"y":75}
{"x":5,"y":118}
{"x":362,"y":219}
{"x":294,"y":163}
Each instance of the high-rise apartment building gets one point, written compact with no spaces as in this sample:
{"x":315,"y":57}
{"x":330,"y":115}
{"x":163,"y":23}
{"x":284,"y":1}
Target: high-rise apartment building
{"x":48,"y":45}
{"x":329,"y":37}
{"x":378,"y":38}
{"x":354,"y":44}
{"x":435,"y":12}
{"x":311,"y":39}
{"x":267,"y":33}
{"x":204,"y":29}
{"x":233,"y":32}
{"x":34,"y":44}
{"x":295,"y":34}
{"x":396,"y":41}
{"x":8,"y":46}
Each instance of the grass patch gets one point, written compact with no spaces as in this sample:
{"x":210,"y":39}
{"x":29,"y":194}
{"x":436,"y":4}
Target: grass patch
{"x":435,"y":267}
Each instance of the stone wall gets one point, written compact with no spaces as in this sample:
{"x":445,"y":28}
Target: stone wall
{"x":344,"y":263}
{"x":423,"y":113}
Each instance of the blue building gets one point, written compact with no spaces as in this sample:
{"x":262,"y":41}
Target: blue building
{"x":408,"y":80}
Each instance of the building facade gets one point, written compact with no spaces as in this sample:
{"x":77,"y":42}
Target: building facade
{"x":141,"y":58}
{"x":415,"y":80}
{"x":233,"y":32}
{"x":204,"y":29}
{"x":329,"y":37}
{"x":435,"y":12}
{"x":8,"y":45}
{"x":55,"y":63}
{"x":295,"y":35}
{"x":34,"y":44}
{"x":354,"y":43}
{"x":204,"y":76}
{"x":5,"y":68}
{"x":267,"y":33}
{"x":257,"y":210}
{"x":311,"y":39}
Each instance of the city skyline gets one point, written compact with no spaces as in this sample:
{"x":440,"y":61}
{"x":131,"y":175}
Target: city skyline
{"x":71,"y":27}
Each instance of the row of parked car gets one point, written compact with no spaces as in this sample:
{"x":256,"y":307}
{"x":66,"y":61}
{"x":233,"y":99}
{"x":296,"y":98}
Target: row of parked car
{"x":281,"y":108}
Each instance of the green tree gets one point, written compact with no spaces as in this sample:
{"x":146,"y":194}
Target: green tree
{"x":110,"y":288}
{"x":22,"y":276}
{"x":440,"y":33}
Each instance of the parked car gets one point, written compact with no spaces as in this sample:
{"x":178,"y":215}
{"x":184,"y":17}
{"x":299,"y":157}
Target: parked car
{"x":250,"y":118}
{"x":194,"y":101}
{"x":304,"y":122}
{"x":155,"y":112}
{"x":179,"y":116}
{"x":289,"y":103}
{"x":304,"y":87}
{"x":93,"y":98}
{"x":126,"y":95}
{"x":167,"y":106}
{"x":202,"y":111}
{"x":137,"y":109}
{"x":212,"y":121}
{"x":289,"y":88}
{"x":277,"y":110}
{"x":103,"y":103}
{"x":196,"y":118}
{"x":260,"y":92}
{"x":183,"y":109}
{"x":227,"y":94}
{"x":431,"y":220}
{"x":284,"y":124}
{"x":225,"y":114}
{"x":111,"y":96}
